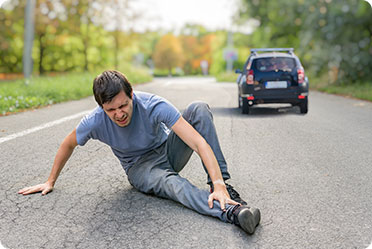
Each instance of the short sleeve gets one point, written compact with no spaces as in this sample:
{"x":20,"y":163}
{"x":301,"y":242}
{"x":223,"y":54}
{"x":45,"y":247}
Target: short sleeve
{"x":85,"y":128}
{"x":166,"y":113}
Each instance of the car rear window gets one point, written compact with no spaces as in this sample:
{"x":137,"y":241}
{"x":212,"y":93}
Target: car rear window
{"x":274,"y":64}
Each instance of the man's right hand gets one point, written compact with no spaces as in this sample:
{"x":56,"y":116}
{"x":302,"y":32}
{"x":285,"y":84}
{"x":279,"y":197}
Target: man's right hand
{"x":63,"y":154}
{"x":44,"y":188}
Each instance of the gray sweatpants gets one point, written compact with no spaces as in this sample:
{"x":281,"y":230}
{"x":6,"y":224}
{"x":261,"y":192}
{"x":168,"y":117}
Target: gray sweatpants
{"x":156,"y":172}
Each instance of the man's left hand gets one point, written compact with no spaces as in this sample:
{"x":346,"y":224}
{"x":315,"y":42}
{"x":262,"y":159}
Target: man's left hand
{"x":220,"y":194}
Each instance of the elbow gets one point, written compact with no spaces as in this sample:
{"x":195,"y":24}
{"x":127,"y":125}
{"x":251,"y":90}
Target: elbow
{"x":70,"y":142}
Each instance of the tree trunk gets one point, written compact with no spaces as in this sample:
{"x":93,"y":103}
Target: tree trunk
{"x":85,"y":50}
{"x":116,"y":50}
{"x":41,"y":54}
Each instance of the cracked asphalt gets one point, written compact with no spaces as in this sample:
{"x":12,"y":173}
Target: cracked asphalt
{"x":309,"y":174}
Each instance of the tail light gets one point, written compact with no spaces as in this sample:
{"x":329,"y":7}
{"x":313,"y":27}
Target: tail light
{"x":301,"y":75}
{"x":250,"y":77}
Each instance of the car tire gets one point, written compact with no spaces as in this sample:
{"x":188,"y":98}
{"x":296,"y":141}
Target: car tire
{"x":304,"y":107}
{"x":240,"y":101}
{"x":245,"y":106}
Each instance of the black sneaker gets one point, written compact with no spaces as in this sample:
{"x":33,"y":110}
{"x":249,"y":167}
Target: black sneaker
{"x":234,"y":195}
{"x":245,"y":217}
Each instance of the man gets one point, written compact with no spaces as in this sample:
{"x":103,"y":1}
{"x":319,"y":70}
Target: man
{"x":136,"y":127}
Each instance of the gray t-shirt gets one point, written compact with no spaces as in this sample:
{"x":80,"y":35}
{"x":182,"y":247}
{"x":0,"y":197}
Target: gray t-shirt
{"x":152,"y":118}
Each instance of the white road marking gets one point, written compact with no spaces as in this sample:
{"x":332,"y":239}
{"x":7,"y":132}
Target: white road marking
{"x":43,"y":126}
{"x":370,"y":246}
{"x":1,"y":246}
{"x":188,"y":81}
{"x":167,"y":83}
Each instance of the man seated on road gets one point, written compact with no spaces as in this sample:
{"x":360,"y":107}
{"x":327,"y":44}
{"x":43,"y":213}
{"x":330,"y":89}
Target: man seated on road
{"x":153,"y":142}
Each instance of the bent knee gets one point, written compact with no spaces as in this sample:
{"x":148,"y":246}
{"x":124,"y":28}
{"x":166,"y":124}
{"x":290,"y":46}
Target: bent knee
{"x":198,"y":105}
{"x":197,"y":108}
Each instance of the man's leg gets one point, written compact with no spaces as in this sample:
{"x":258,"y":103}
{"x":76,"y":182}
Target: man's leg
{"x":198,"y":114}
{"x":153,"y":174}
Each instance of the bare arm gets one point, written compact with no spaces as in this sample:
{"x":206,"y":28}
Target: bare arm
{"x":197,"y":143}
{"x":63,"y":154}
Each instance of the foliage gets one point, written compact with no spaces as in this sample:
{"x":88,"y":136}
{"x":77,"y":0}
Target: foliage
{"x":45,"y":90}
{"x":116,"y":14}
{"x":77,"y":36}
{"x":332,"y":37}
{"x":219,"y":43}
{"x":69,"y":35}
{"x":197,"y":44}
{"x":168,"y":53}
{"x":11,"y":40}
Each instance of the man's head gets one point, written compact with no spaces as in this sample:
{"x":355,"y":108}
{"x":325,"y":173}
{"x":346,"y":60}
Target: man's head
{"x":113,"y":93}
{"x":108,"y":84}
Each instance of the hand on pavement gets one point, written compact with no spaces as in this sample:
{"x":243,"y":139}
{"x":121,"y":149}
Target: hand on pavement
{"x":44,"y":188}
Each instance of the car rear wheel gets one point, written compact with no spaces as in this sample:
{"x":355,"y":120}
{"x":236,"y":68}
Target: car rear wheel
{"x":240,"y":100}
{"x":304,"y":107}
{"x":245,"y":106}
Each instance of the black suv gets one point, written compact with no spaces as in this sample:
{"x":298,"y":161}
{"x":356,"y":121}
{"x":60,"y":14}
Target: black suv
{"x":272,"y":75}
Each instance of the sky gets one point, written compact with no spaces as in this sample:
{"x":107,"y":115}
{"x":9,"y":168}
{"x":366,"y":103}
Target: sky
{"x":173,"y":14}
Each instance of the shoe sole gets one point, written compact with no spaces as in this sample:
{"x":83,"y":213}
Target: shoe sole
{"x":257,"y":214}
{"x":249,"y":219}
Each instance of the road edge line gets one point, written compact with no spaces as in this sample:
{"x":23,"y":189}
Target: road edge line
{"x":43,"y":126}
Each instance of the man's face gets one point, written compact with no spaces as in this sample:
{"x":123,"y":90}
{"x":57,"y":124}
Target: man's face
{"x":120,"y":109}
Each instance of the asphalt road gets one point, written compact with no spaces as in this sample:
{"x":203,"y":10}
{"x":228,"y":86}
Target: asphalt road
{"x":309,"y":174}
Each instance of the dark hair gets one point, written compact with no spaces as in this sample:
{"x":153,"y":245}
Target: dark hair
{"x":108,"y":84}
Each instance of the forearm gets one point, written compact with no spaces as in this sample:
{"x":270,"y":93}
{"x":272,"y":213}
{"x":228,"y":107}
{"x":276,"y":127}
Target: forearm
{"x":219,"y":188}
{"x":206,"y":154}
{"x":197,"y":143}
{"x":63,"y":154}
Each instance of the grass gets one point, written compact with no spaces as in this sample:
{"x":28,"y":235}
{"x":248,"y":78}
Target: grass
{"x":226,"y":77}
{"x":360,"y":90}
{"x":16,"y":96}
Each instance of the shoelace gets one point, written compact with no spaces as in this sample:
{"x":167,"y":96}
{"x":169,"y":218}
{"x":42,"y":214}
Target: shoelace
{"x":232,"y":192}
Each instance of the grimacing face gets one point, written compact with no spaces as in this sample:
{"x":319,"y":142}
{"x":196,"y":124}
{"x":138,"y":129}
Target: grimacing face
{"x":120,"y":109}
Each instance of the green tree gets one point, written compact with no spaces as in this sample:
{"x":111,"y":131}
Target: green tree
{"x":11,"y":37}
{"x":119,"y":17}
{"x":197,"y":45}
{"x":331,"y":37}
{"x":168,"y":53}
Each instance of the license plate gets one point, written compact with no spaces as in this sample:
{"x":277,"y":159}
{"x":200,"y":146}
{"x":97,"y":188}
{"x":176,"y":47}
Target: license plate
{"x":276,"y":84}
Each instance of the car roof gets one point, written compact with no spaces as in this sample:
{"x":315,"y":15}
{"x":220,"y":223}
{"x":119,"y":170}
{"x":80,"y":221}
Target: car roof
{"x":272,"y":54}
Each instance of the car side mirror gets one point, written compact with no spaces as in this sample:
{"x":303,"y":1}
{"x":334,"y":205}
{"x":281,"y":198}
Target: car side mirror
{"x":238,"y":71}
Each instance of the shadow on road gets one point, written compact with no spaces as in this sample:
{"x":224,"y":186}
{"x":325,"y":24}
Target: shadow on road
{"x":132,"y":219}
{"x":256,"y":111}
